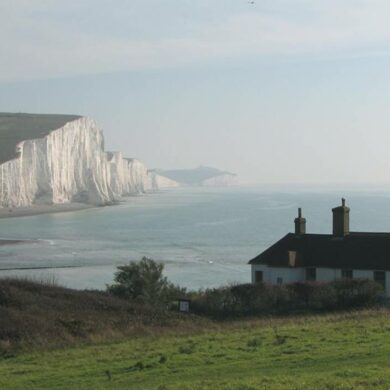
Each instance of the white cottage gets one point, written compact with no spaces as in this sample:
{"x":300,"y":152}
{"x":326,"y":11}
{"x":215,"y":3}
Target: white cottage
{"x":325,"y":257}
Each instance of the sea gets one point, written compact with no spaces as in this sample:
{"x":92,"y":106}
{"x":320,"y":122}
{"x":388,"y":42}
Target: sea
{"x":204,"y":236}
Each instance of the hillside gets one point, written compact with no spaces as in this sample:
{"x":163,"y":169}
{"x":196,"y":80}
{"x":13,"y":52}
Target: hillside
{"x":15,"y":128}
{"x":106,"y":342}
{"x":195,"y":177}
{"x":40,"y":315}
{"x":345,"y":351}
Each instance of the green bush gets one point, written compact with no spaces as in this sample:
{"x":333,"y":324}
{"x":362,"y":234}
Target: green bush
{"x":357,"y":292}
{"x":262,"y":298}
{"x":143,"y":281}
{"x":312,"y":295}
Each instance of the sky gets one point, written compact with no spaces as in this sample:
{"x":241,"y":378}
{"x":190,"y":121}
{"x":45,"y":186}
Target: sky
{"x":279,"y":91}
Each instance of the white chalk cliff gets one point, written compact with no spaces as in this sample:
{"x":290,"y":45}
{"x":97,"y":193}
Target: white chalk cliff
{"x":159,"y":181}
{"x":198,"y":177}
{"x":70,"y":165}
{"x":225,"y":180}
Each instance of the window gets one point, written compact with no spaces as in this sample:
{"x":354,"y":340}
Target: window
{"x":347,"y":274}
{"x":311,"y":274}
{"x":380,"y":277}
{"x":279,"y":280}
{"x":258,"y":276}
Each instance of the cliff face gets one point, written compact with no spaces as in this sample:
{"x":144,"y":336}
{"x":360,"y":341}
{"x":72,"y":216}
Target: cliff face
{"x":69,"y":165}
{"x":199,"y":177}
{"x":157,"y":181}
{"x":226,"y":180}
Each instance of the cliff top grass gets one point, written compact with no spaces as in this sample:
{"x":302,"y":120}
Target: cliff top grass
{"x":40,"y":315}
{"x":54,"y":337}
{"x":18,"y":127}
{"x":333,"y":351}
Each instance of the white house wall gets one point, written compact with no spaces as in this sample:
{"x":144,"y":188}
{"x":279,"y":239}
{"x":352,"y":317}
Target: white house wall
{"x":362,"y":274}
{"x":291,"y":275}
{"x":271,"y":275}
{"x":327,"y":274}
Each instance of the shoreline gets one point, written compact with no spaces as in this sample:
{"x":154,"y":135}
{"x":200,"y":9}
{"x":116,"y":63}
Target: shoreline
{"x":4,"y":242}
{"x":40,"y":268}
{"x":42,"y":209}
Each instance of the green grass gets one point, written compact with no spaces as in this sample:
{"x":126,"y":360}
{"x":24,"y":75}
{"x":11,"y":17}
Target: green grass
{"x":15,"y":128}
{"x":37,"y":315}
{"x":340,"y":351}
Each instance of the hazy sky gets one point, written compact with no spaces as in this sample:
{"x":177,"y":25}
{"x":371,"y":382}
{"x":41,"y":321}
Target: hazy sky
{"x":277,"y":91}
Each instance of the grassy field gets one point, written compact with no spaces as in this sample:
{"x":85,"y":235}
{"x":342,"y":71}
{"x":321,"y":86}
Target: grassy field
{"x":39,"y":316}
{"x":15,"y":128}
{"x":338,"y":351}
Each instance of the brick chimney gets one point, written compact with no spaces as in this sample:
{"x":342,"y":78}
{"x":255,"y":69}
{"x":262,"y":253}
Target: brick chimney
{"x":300,"y":223}
{"x":341,"y":220}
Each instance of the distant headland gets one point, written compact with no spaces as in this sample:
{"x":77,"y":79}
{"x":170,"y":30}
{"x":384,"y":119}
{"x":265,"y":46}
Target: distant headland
{"x":200,"y":177}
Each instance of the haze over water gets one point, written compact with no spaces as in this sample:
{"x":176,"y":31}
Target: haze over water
{"x":204,"y":236}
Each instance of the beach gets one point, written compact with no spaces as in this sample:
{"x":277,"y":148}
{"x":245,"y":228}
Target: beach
{"x":8,"y":212}
{"x":11,"y":242}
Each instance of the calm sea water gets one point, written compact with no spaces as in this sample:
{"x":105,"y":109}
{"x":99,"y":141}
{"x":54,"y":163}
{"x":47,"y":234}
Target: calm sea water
{"x":205,"y":237}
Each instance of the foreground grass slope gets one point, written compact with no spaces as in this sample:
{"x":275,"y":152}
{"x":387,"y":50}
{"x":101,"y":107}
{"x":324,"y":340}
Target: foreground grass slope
{"x":339,"y":351}
{"x":41,"y":316}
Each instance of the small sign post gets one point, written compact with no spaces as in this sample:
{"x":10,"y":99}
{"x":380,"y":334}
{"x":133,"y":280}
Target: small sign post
{"x":184,"y":305}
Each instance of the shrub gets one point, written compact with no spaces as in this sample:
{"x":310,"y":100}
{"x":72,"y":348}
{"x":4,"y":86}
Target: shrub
{"x":253,"y":343}
{"x":312,"y":295}
{"x":163,"y":359}
{"x":262,"y":298}
{"x":143,"y":281}
{"x":187,"y":349}
{"x":357,"y":292}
